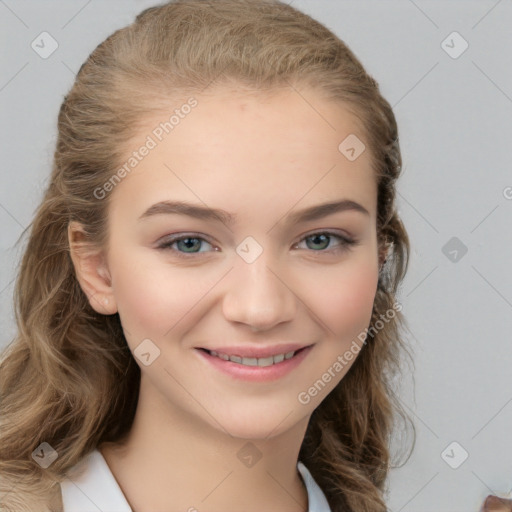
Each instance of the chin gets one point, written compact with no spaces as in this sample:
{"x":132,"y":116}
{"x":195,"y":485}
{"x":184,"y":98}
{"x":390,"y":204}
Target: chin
{"x":258,"y":426}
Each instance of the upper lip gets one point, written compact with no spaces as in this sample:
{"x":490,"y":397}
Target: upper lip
{"x":258,"y":352}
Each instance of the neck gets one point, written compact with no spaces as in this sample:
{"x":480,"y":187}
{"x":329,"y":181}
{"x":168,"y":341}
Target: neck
{"x":171,"y":461}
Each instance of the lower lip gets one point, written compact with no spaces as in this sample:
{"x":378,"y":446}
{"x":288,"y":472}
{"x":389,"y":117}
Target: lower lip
{"x":256,"y":373}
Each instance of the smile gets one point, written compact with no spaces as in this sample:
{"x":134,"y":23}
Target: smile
{"x":254,"y":369}
{"x":254,"y":361}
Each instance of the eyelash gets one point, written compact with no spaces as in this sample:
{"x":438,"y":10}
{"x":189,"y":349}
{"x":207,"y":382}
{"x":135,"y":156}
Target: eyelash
{"x":346,"y":244}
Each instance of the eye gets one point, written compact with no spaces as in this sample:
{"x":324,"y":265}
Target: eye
{"x":320,"y":242}
{"x":187,"y":245}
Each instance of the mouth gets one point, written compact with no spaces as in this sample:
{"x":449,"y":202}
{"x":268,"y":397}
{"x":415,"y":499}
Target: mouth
{"x":240,"y":362}
{"x":255,"y":361}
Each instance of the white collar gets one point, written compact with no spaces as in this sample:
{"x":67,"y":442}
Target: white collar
{"x":94,"y":488}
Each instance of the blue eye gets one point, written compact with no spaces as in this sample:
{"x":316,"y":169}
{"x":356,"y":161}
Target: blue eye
{"x":188,"y":244}
{"x":322,"y":237}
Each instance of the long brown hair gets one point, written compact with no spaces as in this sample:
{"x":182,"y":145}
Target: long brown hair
{"x":69,"y":378}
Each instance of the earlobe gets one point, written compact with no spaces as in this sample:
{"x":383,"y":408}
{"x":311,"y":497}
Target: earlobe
{"x":91,"y":270}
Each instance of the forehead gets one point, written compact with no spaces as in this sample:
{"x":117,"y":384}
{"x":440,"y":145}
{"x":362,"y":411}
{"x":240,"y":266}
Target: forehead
{"x":237,"y":147}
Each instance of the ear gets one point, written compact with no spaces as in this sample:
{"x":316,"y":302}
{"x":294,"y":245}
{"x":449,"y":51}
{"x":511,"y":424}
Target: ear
{"x":91,"y":270}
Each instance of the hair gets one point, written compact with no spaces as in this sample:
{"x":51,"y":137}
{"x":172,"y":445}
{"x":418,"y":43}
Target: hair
{"x":68,"y":378}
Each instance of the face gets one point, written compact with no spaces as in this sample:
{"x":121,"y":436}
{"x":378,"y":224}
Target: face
{"x":265,"y":275}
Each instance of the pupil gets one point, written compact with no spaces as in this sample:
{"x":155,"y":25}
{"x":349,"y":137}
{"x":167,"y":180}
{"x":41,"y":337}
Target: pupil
{"x":316,"y":237}
{"x":187,"y":242}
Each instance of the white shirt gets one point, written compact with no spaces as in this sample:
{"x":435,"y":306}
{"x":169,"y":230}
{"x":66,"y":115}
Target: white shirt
{"x":91,"y":487}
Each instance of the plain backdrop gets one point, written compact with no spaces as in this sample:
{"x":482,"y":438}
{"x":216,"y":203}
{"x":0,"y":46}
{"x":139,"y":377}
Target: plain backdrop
{"x":446,"y":68}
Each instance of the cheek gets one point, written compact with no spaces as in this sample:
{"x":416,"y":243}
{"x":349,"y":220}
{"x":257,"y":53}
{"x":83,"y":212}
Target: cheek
{"x":344,"y":301}
{"x":151,"y":298}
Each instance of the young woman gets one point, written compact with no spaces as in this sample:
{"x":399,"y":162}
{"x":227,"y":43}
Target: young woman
{"x":207,"y":303}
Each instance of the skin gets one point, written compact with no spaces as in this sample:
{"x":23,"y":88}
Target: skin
{"x":260,"y":157}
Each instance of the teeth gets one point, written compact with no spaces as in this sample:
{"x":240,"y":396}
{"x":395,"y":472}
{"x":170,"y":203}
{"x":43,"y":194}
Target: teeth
{"x":249,"y":361}
{"x":265,"y":361}
{"x":222,"y":356}
{"x":254,"y":361}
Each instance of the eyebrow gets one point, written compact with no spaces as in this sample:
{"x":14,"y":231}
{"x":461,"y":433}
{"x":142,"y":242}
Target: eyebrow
{"x":205,"y":213}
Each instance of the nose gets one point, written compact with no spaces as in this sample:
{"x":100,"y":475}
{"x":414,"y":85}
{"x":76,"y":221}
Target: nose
{"x":259,"y":295}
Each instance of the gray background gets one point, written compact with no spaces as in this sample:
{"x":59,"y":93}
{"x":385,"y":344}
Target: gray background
{"x":454,"y":117}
